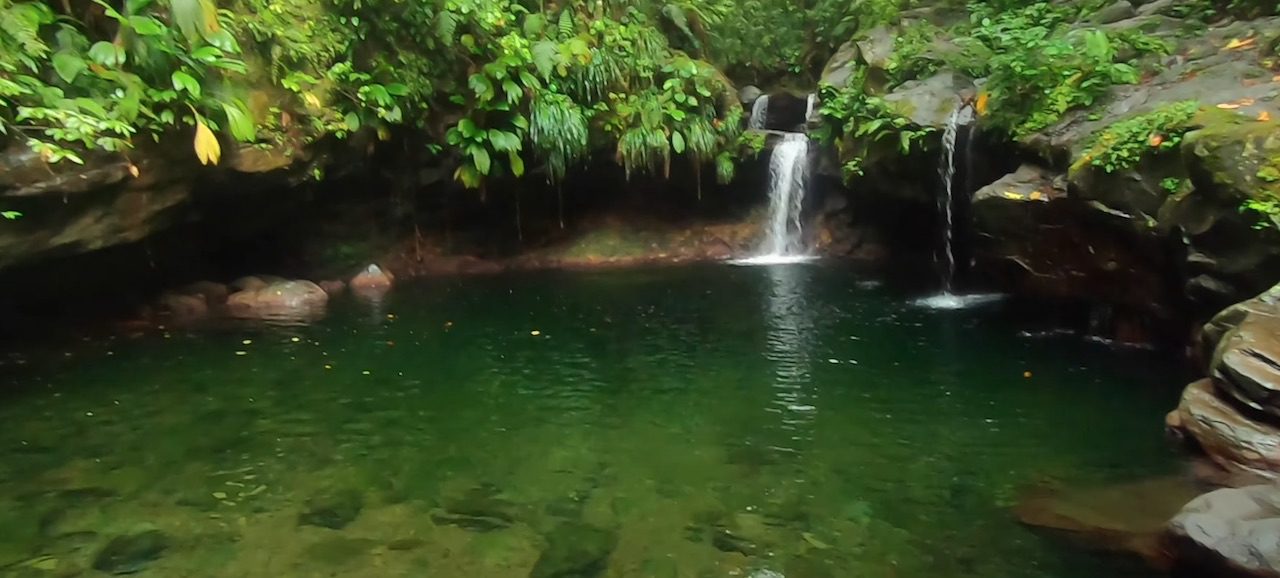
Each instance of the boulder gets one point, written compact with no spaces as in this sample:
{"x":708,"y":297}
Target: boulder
{"x":748,"y":94}
{"x":247,"y":283}
{"x":1229,"y":161}
{"x":214,"y":294}
{"x":575,"y":549}
{"x":1113,"y":12}
{"x":840,"y":67}
{"x":282,"y":299}
{"x":875,"y":47}
{"x":1246,"y":363}
{"x":183,"y":307}
{"x":1229,"y":532}
{"x":929,"y":102}
{"x":1236,"y":442}
{"x":371,"y":280}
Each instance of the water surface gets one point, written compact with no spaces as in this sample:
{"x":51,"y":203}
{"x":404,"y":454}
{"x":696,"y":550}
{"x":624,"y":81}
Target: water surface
{"x":689,"y":422}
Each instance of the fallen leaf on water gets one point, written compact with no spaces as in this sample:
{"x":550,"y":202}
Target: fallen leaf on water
{"x":1237,"y":43}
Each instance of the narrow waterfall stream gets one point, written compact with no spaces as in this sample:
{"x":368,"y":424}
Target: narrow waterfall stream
{"x":948,"y":299}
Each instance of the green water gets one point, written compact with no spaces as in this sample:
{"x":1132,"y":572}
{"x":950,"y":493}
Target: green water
{"x":690,"y":422}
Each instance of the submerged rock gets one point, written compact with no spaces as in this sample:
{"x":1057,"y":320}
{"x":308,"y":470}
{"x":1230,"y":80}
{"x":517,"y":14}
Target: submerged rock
{"x":1126,"y":517}
{"x":575,"y":550}
{"x":334,"y":510}
{"x":1229,"y":532}
{"x":131,"y":553}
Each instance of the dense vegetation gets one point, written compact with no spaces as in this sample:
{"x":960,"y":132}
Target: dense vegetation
{"x":502,"y":86}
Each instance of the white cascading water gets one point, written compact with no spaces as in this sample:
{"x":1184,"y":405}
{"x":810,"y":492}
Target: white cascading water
{"x":788,"y":175}
{"x":759,"y":113}
{"x":962,"y":116}
{"x":810,"y":104}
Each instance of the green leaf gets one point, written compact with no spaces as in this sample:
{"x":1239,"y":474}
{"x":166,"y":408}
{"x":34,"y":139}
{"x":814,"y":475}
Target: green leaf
{"x":480,"y":156}
{"x":545,"y":53}
{"x":207,"y":54}
{"x":468,"y":128}
{"x":352,"y":121}
{"x":481,"y":87}
{"x":11,"y":215}
{"x":677,"y":142}
{"x":68,"y":65}
{"x":239,"y":121}
{"x":517,"y":163}
{"x":107,"y":54}
{"x":146,"y":26}
{"x":184,"y":81}
{"x":397,"y":89}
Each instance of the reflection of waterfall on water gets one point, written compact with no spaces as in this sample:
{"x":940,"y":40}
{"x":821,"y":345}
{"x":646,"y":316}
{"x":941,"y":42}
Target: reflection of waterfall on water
{"x":759,"y":113}
{"x":790,"y":329}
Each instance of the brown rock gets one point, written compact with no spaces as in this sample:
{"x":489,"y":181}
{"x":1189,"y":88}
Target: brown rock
{"x":333,"y":286}
{"x":371,"y":278}
{"x":213,"y":293}
{"x":183,"y":307}
{"x":287,"y":299}
{"x":1246,"y":362}
{"x":249,"y":283}
{"x":1124,"y":517}
{"x":1231,"y":439}
{"x":1229,"y":532}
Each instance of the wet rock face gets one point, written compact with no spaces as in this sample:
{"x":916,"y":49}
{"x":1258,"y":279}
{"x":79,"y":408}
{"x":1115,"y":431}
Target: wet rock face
{"x":1031,"y":235}
{"x":371,"y":282}
{"x":1247,"y":363}
{"x":1229,"y":532}
{"x":131,"y":553}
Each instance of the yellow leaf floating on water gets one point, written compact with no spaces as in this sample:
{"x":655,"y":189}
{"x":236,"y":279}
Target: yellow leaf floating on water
{"x":206,"y":144}
{"x":1237,"y":44}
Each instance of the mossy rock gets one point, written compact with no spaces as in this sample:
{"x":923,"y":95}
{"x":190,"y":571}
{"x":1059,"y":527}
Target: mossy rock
{"x":1239,"y":155}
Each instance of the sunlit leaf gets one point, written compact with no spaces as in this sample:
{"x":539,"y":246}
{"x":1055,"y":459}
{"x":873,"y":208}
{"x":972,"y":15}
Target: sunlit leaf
{"x":206,"y":145}
{"x":239,"y":121}
{"x":185,"y":82}
{"x":68,"y":65}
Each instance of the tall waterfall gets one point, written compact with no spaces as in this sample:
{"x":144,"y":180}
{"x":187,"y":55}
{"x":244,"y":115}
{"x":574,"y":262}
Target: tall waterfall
{"x":960,"y":117}
{"x":759,"y":113}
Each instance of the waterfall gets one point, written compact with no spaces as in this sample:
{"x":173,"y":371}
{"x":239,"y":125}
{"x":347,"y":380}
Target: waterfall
{"x":960,"y":117}
{"x":809,"y":105}
{"x":759,"y":113}
{"x":788,"y":173}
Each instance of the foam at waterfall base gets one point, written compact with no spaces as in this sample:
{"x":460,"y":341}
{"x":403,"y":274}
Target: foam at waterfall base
{"x":773,"y":260}
{"x":946,"y":300}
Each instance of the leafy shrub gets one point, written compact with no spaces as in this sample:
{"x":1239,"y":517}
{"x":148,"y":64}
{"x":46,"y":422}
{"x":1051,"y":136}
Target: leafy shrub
{"x":1123,"y":144}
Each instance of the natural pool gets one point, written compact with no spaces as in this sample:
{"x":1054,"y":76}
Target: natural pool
{"x":687,"y":422}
